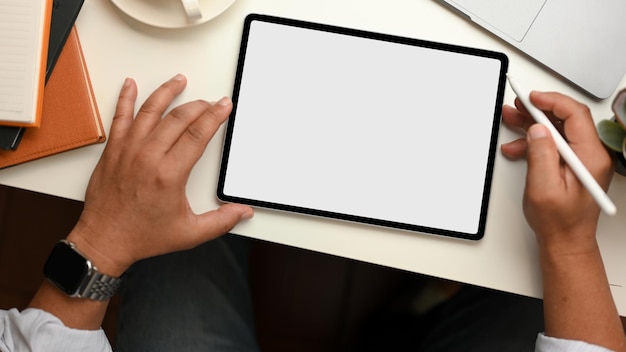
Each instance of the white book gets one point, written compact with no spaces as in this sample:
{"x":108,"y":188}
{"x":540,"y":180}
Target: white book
{"x":24,"y":36}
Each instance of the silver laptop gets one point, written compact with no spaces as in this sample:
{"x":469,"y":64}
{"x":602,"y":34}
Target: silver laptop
{"x":582,"y":40}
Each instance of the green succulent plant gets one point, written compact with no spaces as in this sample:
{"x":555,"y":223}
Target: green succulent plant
{"x":613,"y":132}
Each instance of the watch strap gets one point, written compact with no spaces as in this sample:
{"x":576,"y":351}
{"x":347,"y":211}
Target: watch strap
{"x":100,"y":287}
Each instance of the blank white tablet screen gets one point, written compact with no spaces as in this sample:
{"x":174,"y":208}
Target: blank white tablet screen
{"x":363,"y":127}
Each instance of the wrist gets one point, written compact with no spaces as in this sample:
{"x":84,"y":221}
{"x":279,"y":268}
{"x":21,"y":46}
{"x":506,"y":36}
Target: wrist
{"x":101,"y":253}
{"x":73,"y":273}
{"x":567,"y":248}
{"x":567,"y":241}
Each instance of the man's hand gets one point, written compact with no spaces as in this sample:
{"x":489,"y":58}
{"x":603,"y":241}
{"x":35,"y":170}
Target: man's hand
{"x":576,"y":295}
{"x":558,"y":208}
{"x":136,"y":206}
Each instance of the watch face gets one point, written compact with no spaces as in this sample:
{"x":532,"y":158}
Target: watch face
{"x":66,"y":268}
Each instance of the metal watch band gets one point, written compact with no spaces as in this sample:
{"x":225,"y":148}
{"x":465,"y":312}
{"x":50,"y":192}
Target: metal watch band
{"x":100,"y":287}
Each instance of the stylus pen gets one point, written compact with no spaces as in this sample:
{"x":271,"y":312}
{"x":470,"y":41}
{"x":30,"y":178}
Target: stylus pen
{"x":566,"y":151}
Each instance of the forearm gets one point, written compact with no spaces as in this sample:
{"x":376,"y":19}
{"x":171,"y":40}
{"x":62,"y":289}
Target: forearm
{"x":578,"y":304}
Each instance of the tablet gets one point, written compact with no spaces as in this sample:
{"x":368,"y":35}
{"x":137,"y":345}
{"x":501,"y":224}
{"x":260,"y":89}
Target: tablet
{"x":361,"y":126}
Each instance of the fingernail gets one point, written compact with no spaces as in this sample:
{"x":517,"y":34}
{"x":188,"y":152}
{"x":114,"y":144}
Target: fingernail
{"x":127,"y":82}
{"x":225,"y":101}
{"x":535,"y":94}
{"x":178,"y":77}
{"x":248,"y":214}
{"x":537,"y":131}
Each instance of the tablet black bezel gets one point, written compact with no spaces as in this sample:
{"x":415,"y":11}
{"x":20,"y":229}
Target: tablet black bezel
{"x":375,"y":36}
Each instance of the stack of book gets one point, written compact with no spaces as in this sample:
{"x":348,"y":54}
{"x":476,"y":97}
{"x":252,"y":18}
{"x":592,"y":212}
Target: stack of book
{"x":47,"y":104}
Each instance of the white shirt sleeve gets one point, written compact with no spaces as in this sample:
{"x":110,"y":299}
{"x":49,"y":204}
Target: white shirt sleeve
{"x":37,"y":330}
{"x":551,"y":344}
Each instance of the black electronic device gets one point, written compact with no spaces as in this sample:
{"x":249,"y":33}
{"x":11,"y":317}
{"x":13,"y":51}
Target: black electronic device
{"x":363,"y":126}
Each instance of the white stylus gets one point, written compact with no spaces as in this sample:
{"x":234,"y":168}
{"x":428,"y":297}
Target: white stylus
{"x":566,"y":151}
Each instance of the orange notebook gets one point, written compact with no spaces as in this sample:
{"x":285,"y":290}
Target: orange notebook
{"x":70,"y":116}
{"x":24,"y":33}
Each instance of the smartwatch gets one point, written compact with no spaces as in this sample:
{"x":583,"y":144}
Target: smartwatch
{"x":70,"y":270}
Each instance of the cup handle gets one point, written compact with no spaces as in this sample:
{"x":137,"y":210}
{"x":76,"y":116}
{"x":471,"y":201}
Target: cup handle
{"x":192,"y":9}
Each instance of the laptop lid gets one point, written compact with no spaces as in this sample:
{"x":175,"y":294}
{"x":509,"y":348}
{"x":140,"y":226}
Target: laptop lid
{"x":579,"y":39}
{"x":512,"y":17}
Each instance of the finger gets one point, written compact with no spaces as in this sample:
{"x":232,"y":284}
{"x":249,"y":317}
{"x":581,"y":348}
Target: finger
{"x":516,"y":119}
{"x":195,"y":138}
{"x":577,"y":125}
{"x":520,"y":106}
{"x":218,"y":222}
{"x":124,"y":110}
{"x":515,"y":150}
{"x":175,"y":124}
{"x":544,"y":173}
{"x":575,"y":116}
{"x":152,"y":110}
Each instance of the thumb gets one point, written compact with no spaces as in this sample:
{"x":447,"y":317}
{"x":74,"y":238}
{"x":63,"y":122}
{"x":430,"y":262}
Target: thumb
{"x":217,"y":222}
{"x":543,"y":160}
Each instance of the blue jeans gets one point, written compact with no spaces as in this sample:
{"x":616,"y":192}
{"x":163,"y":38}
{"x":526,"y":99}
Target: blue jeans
{"x":196,"y":300}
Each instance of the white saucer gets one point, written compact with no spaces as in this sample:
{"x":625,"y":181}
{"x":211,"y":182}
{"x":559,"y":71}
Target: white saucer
{"x":170,"y":13}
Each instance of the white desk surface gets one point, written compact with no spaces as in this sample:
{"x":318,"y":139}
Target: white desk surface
{"x":116,"y":47}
